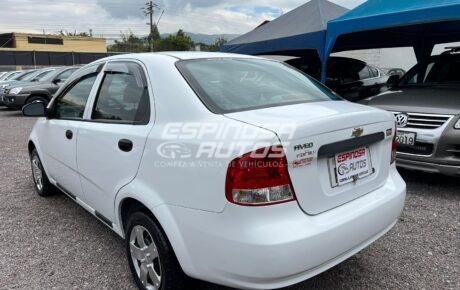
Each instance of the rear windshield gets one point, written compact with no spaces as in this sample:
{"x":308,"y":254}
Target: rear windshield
{"x":232,"y":85}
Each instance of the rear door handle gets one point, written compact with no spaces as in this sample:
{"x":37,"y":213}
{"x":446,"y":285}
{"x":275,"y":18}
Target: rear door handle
{"x":68,"y":134}
{"x":125,"y":145}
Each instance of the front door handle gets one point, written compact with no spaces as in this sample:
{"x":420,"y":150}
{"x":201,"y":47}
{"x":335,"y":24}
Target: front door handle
{"x":125,"y":145}
{"x":68,"y":134}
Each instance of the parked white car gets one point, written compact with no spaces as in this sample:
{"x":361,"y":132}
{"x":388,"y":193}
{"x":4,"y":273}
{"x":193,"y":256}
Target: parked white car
{"x":227,"y":168}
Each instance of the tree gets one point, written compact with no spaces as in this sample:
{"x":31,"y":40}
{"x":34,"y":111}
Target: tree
{"x":220,"y":41}
{"x":155,"y":33}
{"x":129,"y":43}
{"x":177,"y":42}
{"x":66,"y":33}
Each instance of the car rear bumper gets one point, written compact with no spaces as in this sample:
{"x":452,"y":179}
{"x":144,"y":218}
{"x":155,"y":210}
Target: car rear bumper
{"x":276,"y":246}
{"x":431,"y":167}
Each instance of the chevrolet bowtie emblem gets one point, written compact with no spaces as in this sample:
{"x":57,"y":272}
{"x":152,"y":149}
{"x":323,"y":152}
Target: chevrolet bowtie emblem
{"x":357,"y":132}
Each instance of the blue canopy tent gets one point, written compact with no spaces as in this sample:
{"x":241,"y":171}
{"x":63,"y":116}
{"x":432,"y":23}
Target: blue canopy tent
{"x":420,"y":24}
{"x":298,"y":32}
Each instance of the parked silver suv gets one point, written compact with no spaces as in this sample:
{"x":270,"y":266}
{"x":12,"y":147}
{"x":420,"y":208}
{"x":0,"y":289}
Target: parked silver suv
{"x":426,"y":104}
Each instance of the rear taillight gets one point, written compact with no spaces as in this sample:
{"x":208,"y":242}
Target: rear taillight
{"x":259,"y":178}
{"x":394,"y":145}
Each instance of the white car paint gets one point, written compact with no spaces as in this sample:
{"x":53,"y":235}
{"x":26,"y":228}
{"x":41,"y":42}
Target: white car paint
{"x":260,"y":247}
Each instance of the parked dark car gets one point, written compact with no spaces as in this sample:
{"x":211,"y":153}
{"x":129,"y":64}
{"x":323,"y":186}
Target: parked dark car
{"x":18,"y":76}
{"x":352,"y":79}
{"x":426,"y":104}
{"x":9,"y":75}
{"x":42,"y":90}
{"x":31,"y":76}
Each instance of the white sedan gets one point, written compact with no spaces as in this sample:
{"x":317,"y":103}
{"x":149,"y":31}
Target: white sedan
{"x":233,"y":169}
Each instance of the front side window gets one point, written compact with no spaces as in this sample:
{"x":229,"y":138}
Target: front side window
{"x":123,"y":95}
{"x":71,"y":104}
{"x":231,"y":85}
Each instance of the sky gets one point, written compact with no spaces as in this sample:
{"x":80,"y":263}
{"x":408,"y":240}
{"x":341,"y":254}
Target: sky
{"x":110,"y":17}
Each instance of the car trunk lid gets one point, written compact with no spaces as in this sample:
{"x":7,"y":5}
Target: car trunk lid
{"x":323,"y":130}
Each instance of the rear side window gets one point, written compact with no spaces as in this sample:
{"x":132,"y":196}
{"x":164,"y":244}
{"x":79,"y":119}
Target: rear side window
{"x":72,"y":103}
{"x":123,"y":95}
{"x":232,"y":84}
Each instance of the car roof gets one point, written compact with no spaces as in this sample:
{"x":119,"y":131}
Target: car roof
{"x":183,"y":55}
{"x":179,"y":55}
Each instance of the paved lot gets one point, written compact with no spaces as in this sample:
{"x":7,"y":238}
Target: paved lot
{"x":53,"y":243}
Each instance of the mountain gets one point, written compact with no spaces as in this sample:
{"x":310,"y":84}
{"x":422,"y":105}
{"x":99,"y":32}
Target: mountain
{"x":205,"y":38}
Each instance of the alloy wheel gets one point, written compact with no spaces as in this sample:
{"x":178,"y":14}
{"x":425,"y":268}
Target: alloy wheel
{"x":37,"y":172}
{"x":145,"y":258}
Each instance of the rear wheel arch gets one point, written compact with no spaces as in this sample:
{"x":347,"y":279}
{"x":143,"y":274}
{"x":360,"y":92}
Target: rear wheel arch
{"x":39,"y":95}
{"x":130,"y":205}
{"x":31,"y":146}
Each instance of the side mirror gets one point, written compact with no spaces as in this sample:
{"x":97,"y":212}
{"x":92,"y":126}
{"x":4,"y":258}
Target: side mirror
{"x":57,"y":81}
{"x":393,"y":81}
{"x":35,"y":109}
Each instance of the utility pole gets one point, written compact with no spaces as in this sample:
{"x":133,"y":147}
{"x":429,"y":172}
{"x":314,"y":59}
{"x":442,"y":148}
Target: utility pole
{"x":149,"y":10}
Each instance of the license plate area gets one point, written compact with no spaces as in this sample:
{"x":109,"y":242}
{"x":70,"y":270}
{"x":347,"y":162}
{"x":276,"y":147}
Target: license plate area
{"x":406,"y":138}
{"x":350,"y":166}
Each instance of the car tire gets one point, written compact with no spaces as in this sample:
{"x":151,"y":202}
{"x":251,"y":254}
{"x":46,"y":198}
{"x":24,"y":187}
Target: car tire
{"x":37,"y":99}
{"x":151,"y":258}
{"x":42,"y":184}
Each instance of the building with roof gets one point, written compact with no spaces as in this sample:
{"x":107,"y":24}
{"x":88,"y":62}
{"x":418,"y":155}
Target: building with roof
{"x":49,"y":42}
{"x":28,"y":50}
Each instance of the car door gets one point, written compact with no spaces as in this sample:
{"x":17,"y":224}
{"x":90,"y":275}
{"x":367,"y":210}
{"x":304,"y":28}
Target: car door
{"x":58,"y":137}
{"x":111,"y":142}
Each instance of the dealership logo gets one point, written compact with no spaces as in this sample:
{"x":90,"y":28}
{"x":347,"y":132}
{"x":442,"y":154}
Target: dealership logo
{"x":173,"y":150}
{"x":343,"y":169}
{"x":401,"y":120}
